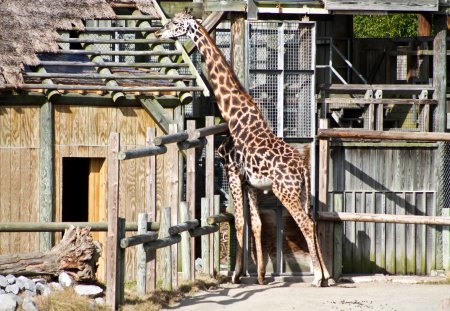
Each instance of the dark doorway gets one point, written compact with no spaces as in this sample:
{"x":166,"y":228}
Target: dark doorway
{"x":75,"y":192}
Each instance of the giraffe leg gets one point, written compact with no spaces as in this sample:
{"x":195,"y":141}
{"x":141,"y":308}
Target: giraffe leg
{"x":235,"y":185}
{"x":256,"y":229}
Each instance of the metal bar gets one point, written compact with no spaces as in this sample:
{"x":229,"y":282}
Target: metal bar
{"x":383,"y":218}
{"x":121,"y":53}
{"x":107,"y":76}
{"x":113,"y":64}
{"x":105,"y":88}
{"x":350,"y":65}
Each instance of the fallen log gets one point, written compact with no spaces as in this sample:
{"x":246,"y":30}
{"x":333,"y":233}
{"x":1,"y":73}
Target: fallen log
{"x":77,"y":254}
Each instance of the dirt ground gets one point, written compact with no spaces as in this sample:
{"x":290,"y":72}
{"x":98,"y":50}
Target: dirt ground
{"x":370,"y":293}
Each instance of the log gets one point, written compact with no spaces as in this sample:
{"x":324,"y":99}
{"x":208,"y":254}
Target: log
{"x":184,"y":226}
{"x":210,"y":130}
{"x":383,"y":218}
{"x":138,"y":239}
{"x":215,"y":219}
{"x":77,"y":254}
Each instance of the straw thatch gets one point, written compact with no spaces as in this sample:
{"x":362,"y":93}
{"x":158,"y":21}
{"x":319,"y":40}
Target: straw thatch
{"x":30,"y":27}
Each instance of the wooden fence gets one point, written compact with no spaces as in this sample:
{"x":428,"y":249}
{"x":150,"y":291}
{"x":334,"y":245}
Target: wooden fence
{"x":334,"y":240}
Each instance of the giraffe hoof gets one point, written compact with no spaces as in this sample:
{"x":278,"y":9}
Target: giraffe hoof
{"x":331,"y":282}
{"x":235,"y":280}
{"x":262,"y":281}
{"x":317,"y":283}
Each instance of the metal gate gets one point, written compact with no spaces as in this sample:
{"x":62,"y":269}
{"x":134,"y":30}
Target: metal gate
{"x":280,"y":74}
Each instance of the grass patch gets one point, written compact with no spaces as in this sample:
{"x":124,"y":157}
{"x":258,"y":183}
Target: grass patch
{"x":163,"y":298}
{"x":65,"y":300}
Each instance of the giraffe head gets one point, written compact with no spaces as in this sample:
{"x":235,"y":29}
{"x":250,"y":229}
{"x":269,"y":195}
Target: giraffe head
{"x":181,"y":24}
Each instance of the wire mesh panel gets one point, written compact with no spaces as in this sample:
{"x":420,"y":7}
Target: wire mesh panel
{"x":280,"y":74}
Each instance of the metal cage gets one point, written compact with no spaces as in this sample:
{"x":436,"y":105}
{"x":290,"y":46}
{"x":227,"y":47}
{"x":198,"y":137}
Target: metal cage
{"x":280,"y":74}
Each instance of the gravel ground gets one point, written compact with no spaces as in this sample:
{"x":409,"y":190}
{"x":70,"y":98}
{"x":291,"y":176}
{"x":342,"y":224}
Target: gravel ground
{"x":382,"y":293}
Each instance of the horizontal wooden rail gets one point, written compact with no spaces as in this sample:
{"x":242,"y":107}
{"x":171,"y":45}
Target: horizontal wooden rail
{"x":203,"y":230}
{"x":163,"y":242}
{"x":60,"y":87}
{"x":192,"y":143}
{"x":114,"y":41}
{"x":184,"y":226}
{"x":61,"y":226}
{"x":121,"y":53}
{"x":210,"y":130}
{"x":107,"y":76}
{"x":383,"y":218}
{"x":383,"y":135}
{"x":135,"y":17}
{"x":112,"y":64}
{"x":138,"y":239}
{"x":119,"y":29}
{"x":141,"y":152}
{"x":398,"y":88}
{"x":170,"y":138}
{"x":215,"y":219}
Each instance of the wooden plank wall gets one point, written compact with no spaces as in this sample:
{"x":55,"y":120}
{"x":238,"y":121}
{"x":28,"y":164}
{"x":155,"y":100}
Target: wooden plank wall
{"x":19,"y":175}
{"x":391,"y":180}
{"x":83,"y":131}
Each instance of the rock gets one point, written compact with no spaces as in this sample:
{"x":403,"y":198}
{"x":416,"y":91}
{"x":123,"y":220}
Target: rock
{"x":30,"y":286}
{"x":7,"y":303}
{"x":11,"y":279}
{"x":64,"y":279}
{"x":3,"y":281}
{"x":39,"y":280}
{"x":88,"y":290}
{"x":29,"y":293}
{"x":42,"y":289}
{"x":13,"y":289}
{"x":2,"y":291}
{"x":20,"y":281}
{"x":55,"y":286}
{"x":29,"y":305}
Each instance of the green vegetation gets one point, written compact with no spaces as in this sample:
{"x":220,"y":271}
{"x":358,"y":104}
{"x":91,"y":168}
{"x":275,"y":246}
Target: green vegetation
{"x":385,"y":26}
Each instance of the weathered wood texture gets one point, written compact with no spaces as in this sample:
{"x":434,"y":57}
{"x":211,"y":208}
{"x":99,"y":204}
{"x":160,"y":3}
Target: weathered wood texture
{"x":372,"y":5}
{"x":387,"y":180}
{"x":19,"y":175}
{"x":77,"y":254}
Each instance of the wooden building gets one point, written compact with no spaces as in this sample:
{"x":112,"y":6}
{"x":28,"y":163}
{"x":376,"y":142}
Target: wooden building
{"x":69,"y":80}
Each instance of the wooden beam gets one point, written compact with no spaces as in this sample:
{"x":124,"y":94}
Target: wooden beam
{"x":191,"y":166}
{"x":209,"y":130}
{"x":61,"y":226}
{"x":383,"y":135}
{"x":383,"y":218}
{"x":439,"y":71}
{"x":112,"y":64}
{"x":46,"y":171}
{"x":138,"y":239}
{"x":157,"y":112}
{"x":141,"y":152}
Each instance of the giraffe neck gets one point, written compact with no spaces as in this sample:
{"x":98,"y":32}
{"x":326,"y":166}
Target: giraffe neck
{"x":234,"y":103}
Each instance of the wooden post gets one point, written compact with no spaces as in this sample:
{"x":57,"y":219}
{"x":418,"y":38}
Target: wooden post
{"x":325,"y":230}
{"x":185,"y":244}
{"x":237,"y":47}
{"x":338,"y":236}
{"x":112,"y":252}
{"x":120,"y":281}
{"x":190,"y":189}
{"x":216,"y":236}
{"x":46,"y":172}
{"x":446,"y":241}
{"x":206,"y":251}
{"x":165,"y":264}
{"x":141,"y":257}
{"x":173,"y":165}
{"x":209,"y":177}
{"x":150,"y":202}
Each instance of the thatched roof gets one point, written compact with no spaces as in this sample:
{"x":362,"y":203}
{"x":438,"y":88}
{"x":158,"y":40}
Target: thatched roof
{"x":30,"y":27}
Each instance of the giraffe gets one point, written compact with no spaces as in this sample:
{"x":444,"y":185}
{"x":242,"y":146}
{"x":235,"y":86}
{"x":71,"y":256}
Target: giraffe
{"x":254,"y":157}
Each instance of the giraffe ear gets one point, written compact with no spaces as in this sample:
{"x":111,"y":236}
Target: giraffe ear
{"x":188,"y":10}
{"x":199,"y":21}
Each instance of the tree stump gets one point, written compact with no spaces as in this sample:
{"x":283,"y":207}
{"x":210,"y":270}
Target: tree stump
{"x":77,"y":254}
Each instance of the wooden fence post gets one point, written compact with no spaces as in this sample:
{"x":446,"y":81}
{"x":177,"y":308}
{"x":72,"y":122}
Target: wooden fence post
{"x":206,"y":251}
{"x":191,"y":189}
{"x":120,"y":281}
{"x":150,"y":201}
{"x":165,"y":253}
{"x":209,"y":177}
{"x":112,"y":252}
{"x":173,"y":165}
{"x":338,"y":237}
{"x":325,"y":230}
{"x":141,"y":257}
{"x":216,"y":235}
{"x":185,"y":243}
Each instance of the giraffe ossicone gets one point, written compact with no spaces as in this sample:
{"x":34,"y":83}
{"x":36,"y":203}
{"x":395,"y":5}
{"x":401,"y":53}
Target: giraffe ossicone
{"x":254,"y":157}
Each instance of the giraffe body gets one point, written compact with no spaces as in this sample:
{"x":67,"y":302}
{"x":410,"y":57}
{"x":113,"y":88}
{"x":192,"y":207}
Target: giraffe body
{"x":254,"y":157}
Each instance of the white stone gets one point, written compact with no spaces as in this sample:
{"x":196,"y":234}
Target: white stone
{"x":13,"y":289}
{"x":29,"y":305}
{"x":11,"y":279}
{"x":65,"y":280}
{"x":7,"y":303}
{"x":3,"y":281}
{"x":88,"y":290}
{"x":56,"y":286}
